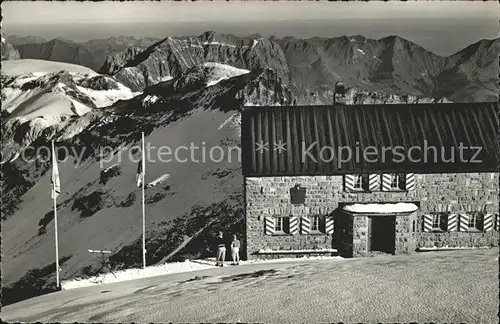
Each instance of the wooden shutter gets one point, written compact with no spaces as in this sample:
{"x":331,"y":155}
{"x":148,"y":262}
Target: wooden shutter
{"x":452,"y":223}
{"x":294,"y":225}
{"x":410,"y":181}
{"x":464,"y":223}
{"x":373,"y":182}
{"x":427,"y":223}
{"x":305,"y":226}
{"x":269,"y":225}
{"x":329,"y":225}
{"x":386,"y":182}
{"x":349,"y":182}
{"x":487,"y":222}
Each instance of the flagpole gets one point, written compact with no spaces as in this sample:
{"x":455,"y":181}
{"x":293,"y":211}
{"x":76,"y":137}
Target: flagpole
{"x":54,"y":198}
{"x":143,"y":207}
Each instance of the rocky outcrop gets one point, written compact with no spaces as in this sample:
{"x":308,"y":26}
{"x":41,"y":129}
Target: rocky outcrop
{"x":99,"y":82}
{"x":9,"y":52}
{"x":138,"y":68}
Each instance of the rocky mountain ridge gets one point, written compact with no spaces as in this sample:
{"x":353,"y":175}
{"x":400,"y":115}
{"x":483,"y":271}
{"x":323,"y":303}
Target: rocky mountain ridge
{"x":311,"y":66}
{"x":388,"y":65}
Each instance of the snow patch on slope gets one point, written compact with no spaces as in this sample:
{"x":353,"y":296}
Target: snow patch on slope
{"x":216,"y":72}
{"x":105,"y":98}
{"x":229,"y":120}
{"x":166,"y":78}
{"x":217,"y":43}
{"x":158,"y":180}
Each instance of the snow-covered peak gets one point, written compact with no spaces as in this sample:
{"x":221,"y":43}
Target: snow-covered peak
{"x":47,"y":97}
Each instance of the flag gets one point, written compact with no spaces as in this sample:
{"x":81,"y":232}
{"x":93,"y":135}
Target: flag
{"x":141,"y":166}
{"x":140,"y":174}
{"x":56,"y":185}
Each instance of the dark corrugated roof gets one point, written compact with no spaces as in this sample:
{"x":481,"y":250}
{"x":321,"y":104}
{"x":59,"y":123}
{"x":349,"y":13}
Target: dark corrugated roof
{"x":404,"y":128}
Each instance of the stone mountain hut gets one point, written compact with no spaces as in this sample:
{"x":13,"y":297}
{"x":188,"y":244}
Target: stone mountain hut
{"x":422,"y":176}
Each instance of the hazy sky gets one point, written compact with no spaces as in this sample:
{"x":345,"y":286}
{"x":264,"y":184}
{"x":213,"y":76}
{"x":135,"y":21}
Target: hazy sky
{"x":445,"y":26}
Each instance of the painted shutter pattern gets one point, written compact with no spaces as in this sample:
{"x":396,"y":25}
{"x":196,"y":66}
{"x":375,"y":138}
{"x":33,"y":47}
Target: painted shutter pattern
{"x":487,"y":222}
{"x":373,"y":184}
{"x":464,"y":223}
{"x":328,"y":225}
{"x":427,"y":220}
{"x":386,"y":182}
{"x":269,"y":225}
{"x":294,"y":225}
{"x":305,"y":225}
{"x":410,"y":181}
{"x":349,"y":182}
{"x":452,"y":223}
{"x":497,"y":223}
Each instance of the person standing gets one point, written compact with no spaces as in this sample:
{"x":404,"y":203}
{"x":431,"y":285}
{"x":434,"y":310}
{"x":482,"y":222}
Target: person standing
{"x":221,"y":250}
{"x":235,"y":250}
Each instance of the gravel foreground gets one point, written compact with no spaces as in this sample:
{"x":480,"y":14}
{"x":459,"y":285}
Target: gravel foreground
{"x":452,"y":286}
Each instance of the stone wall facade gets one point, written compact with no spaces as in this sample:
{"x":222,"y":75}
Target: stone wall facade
{"x":456,"y":192}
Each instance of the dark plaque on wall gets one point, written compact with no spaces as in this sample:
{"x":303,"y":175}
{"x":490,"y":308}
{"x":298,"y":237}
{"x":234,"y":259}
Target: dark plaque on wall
{"x":298,"y":195}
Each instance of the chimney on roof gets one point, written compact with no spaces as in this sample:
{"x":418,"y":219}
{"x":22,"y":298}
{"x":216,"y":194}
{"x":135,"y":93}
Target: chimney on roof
{"x":339,"y":91}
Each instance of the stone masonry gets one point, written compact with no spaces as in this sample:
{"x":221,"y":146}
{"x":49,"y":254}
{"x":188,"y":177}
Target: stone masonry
{"x":270,"y":196}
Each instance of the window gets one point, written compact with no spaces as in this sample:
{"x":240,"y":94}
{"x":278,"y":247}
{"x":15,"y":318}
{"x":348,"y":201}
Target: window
{"x":279,"y":224}
{"x":474,"y":221}
{"x":439,"y":222}
{"x":395,"y":181}
{"x":315,"y":223}
{"x":358,"y":182}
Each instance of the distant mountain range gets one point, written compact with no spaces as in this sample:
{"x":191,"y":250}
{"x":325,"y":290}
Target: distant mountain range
{"x":91,"y":54}
{"x":309,"y":66}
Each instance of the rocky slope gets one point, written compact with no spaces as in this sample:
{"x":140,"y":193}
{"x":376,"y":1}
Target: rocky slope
{"x":390,"y":65}
{"x":471,"y":73}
